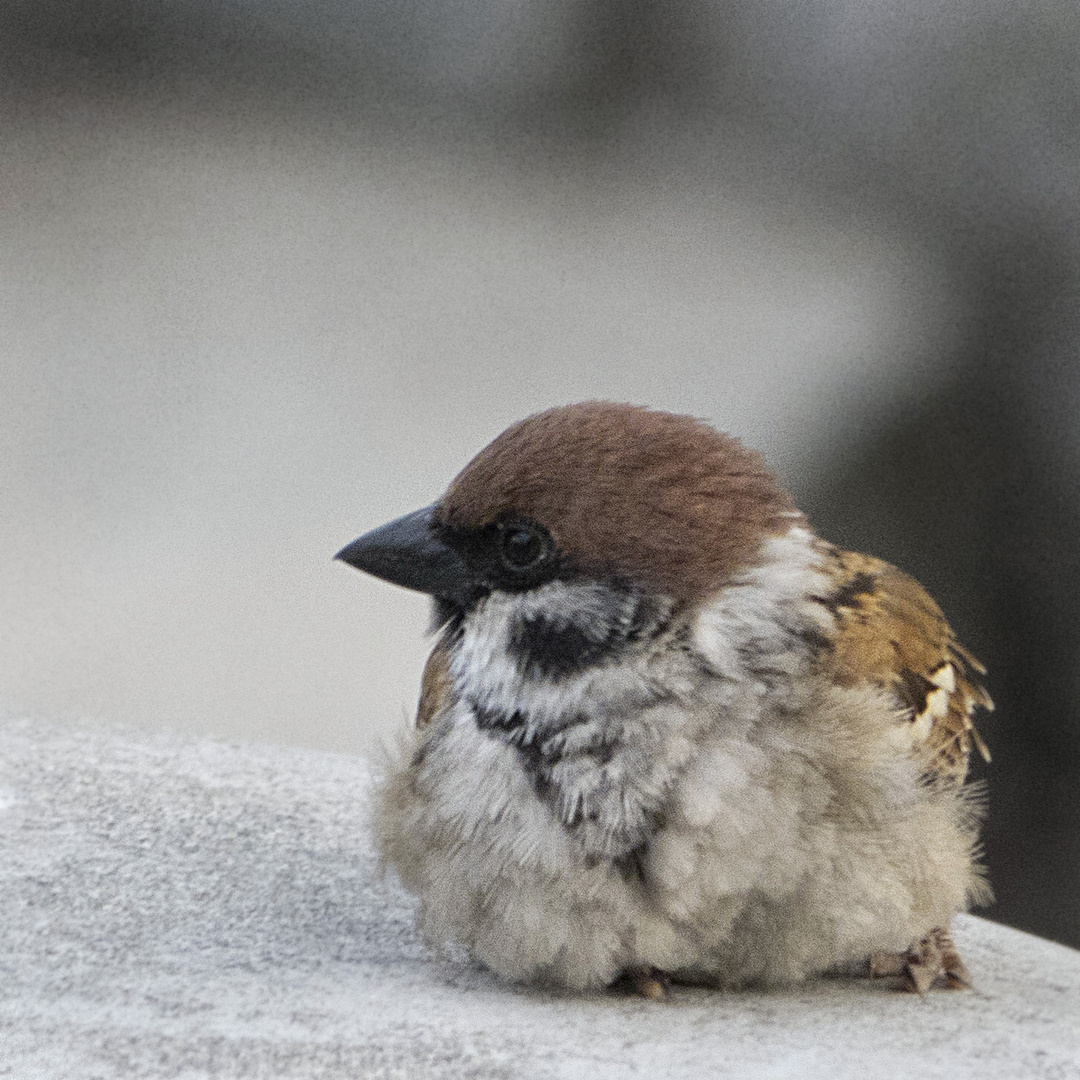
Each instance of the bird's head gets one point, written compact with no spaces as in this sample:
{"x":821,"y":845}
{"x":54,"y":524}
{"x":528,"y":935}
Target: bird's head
{"x":593,"y":518}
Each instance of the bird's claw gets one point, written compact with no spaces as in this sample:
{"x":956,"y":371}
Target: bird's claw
{"x":646,"y":982}
{"x":931,"y":964}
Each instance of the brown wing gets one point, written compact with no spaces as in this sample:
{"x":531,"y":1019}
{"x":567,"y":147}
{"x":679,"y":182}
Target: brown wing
{"x":891,"y":632}
{"x":436,"y":686}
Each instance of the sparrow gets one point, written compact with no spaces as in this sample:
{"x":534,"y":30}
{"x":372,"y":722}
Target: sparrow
{"x":666,"y":732}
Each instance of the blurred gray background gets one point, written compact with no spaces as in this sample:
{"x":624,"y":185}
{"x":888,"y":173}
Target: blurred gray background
{"x":272,"y":272}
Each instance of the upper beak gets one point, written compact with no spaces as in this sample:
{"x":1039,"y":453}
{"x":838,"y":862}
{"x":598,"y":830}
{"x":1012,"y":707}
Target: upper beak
{"x":410,"y":552}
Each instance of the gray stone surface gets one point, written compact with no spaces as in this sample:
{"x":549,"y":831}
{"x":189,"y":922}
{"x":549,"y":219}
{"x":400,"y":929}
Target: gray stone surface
{"x":180,"y":908}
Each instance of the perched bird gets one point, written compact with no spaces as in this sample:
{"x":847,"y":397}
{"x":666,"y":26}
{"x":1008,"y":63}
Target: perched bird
{"x":668,"y":733}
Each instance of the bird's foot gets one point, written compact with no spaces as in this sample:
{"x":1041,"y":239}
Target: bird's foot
{"x":930,"y":964}
{"x":647,"y":982}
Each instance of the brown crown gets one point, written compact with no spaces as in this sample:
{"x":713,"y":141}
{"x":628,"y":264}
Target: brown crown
{"x":664,"y":499}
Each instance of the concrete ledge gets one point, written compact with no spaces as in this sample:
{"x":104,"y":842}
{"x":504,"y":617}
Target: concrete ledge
{"x":178,"y":908}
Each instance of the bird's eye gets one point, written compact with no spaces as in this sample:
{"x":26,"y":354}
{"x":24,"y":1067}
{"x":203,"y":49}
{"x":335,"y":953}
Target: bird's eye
{"x":524,"y":546}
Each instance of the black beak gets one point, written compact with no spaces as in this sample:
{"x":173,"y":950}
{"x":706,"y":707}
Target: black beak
{"x":410,"y":552}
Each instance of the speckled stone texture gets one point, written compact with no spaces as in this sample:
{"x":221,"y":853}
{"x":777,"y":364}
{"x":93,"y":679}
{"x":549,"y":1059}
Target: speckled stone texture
{"x":180,"y":908}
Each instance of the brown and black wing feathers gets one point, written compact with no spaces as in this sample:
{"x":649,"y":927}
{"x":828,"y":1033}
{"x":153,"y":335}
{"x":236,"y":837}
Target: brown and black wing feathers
{"x":891,"y":632}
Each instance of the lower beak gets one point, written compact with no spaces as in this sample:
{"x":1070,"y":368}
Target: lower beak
{"x":410,"y":552}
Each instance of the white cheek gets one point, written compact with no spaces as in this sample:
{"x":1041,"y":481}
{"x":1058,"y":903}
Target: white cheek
{"x":486,"y":673}
{"x":484,"y":644}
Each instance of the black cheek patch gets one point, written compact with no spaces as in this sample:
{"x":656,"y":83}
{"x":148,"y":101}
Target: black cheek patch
{"x":552,"y":646}
{"x":549,"y":649}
